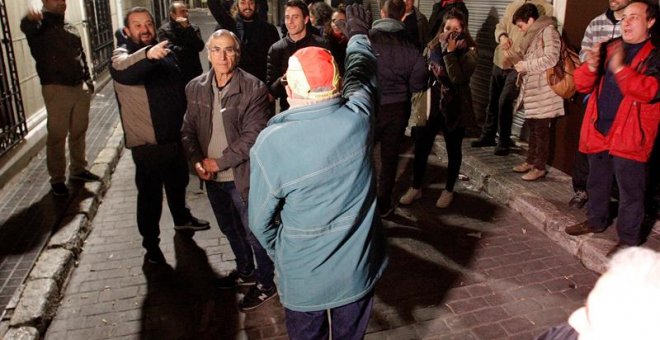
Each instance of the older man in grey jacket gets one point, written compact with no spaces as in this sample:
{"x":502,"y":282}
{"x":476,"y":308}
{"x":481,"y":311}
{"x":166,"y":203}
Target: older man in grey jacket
{"x":227,"y":108}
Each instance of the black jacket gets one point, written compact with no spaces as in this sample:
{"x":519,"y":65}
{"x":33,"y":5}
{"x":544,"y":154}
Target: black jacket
{"x":278,"y":62}
{"x":57,"y":50}
{"x":256,"y":38}
{"x":401,"y":67}
{"x":151,"y":95}
{"x":186,"y":43}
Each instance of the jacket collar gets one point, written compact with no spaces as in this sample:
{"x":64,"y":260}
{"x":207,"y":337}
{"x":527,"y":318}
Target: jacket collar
{"x":388,"y":25}
{"x":308,"y":35}
{"x":55,"y":18}
{"x":309,"y":112}
{"x":534,"y":29}
{"x":234,"y":86}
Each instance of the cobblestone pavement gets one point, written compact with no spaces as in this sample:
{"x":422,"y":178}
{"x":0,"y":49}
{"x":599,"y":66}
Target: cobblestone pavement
{"x":28,"y":212}
{"x":473,"y":271}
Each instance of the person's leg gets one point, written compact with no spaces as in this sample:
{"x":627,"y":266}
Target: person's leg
{"x":533,"y":138}
{"x":454,"y":141}
{"x":580,"y":172}
{"x":631,"y":180}
{"x":307,"y":325}
{"x":542,"y":143}
{"x":599,"y":188}
{"x":78,"y":129}
{"x":497,"y":80}
{"x":176,"y":178}
{"x":395,"y":117}
{"x":227,"y":217}
{"x":58,"y":101}
{"x":506,"y":107}
{"x":423,"y":146}
{"x":350,"y":321}
{"x":265,"y":268}
{"x":150,"y":195}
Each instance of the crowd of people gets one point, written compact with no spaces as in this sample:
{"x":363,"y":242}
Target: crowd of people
{"x":298,"y":192}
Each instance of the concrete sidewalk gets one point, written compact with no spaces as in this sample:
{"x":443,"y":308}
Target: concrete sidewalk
{"x":544,"y":203}
{"x":40,"y":234}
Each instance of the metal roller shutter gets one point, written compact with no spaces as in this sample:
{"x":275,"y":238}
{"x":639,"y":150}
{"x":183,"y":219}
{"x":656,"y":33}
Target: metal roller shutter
{"x":484,"y":15}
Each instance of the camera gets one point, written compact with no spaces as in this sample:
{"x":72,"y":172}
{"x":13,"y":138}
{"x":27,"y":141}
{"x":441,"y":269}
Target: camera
{"x":457,"y":35}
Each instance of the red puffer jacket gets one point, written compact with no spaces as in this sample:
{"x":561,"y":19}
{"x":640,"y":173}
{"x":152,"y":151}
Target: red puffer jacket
{"x":636,"y":123}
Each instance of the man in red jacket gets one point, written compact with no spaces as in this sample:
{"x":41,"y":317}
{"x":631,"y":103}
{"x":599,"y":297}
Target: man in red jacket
{"x":620,"y":123}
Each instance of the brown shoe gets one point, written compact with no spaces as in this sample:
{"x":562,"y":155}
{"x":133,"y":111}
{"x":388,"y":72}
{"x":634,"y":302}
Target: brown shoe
{"x":581,"y":229}
{"x":523,"y":167}
{"x":619,"y":246}
{"x":534,"y":174}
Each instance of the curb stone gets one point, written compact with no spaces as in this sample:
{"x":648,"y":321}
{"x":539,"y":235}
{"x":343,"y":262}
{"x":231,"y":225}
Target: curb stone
{"x":37,"y":303}
{"x":22,"y":333}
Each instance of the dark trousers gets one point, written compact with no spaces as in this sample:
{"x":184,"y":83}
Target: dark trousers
{"x":631,"y":180}
{"x":391,"y":124}
{"x":424,"y":139}
{"x":580,"y":171}
{"x":231,"y":212}
{"x":499,"y":116}
{"x":539,"y":142}
{"x":348,"y":322}
{"x":158,"y":166}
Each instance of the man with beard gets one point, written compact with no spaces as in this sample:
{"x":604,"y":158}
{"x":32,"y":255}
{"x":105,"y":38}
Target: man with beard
{"x":152,"y":102}
{"x":296,"y":17}
{"x":185,"y":40}
{"x":255,"y":34}
{"x":62,"y":69}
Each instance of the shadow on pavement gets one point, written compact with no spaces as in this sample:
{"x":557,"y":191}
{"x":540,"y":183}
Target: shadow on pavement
{"x":25,"y":231}
{"x":430,"y":250}
{"x":182,"y":302}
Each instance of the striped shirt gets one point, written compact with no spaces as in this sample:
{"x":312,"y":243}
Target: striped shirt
{"x":602,"y":28}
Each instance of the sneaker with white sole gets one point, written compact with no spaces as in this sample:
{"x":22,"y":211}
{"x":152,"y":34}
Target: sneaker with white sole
{"x":445,"y":199}
{"x":410,"y":196}
{"x":256,"y":297}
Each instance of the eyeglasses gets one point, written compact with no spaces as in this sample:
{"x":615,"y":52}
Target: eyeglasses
{"x":229,"y":51}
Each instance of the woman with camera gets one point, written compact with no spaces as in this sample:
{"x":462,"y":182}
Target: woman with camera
{"x":452,"y":57}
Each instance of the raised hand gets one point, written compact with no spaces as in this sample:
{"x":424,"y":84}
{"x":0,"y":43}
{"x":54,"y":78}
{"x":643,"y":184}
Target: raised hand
{"x":358,"y":21}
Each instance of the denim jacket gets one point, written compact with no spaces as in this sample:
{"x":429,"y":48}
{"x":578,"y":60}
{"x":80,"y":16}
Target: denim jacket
{"x":312,"y":165}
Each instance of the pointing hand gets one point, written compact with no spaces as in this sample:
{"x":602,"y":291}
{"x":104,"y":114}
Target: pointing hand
{"x":158,"y":51}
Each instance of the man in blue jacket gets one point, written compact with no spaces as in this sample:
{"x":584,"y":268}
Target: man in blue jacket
{"x":312,"y":166}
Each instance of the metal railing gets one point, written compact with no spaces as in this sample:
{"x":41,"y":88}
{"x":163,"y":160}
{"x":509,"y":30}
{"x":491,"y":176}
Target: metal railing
{"x":99,"y":24}
{"x":13,"y":126}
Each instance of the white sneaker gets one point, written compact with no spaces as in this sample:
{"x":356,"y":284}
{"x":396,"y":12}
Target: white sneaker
{"x":411,"y":195}
{"x":445,"y":199}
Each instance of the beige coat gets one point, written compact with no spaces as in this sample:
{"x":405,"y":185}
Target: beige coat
{"x":506,"y":26}
{"x":540,"y":46}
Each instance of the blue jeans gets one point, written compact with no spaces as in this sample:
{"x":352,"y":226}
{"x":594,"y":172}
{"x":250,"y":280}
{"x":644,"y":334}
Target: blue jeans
{"x":348,"y":321}
{"x":231,"y":212}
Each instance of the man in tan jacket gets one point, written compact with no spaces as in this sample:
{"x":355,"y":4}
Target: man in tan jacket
{"x":503,"y":90}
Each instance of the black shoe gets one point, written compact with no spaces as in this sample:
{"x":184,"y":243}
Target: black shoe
{"x":195,"y":224}
{"x":582,"y":229}
{"x":482,"y":142}
{"x":256,"y":297}
{"x":59,"y":189}
{"x":579,"y":199}
{"x":155,"y":256}
{"x":235,"y":279}
{"x":501,"y":150}
{"x":85,"y":176}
